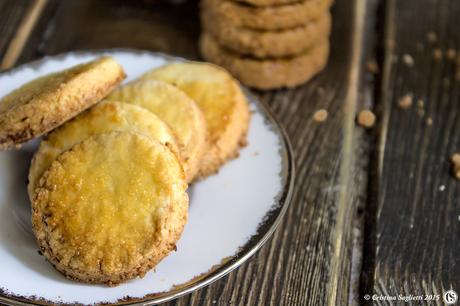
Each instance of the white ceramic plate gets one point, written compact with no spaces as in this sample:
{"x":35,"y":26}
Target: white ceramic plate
{"x":231,"y":214}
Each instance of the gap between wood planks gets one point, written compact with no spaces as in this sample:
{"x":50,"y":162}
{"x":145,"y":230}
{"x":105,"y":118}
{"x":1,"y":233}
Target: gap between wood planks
{"x":22,"y":34}
{"x":383,"y":97}
{"x":347,"y":155}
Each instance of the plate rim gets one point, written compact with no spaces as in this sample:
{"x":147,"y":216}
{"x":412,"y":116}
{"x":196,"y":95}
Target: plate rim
{"x":265,"y":228}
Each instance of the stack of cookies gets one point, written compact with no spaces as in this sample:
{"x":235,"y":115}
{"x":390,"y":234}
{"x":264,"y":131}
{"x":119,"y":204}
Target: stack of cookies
{"x":267,"y":43}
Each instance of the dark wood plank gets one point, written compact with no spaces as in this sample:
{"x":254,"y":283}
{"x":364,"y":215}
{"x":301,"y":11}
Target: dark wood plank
{"x":308,"y":261}
{"x":152,"y":25}
{"x":413,"y":233}
{"x":11,"y":13}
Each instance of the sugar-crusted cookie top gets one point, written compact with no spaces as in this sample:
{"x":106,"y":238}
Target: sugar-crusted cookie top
{"x":210,"y":86}
{"x":102,"y":118}
{"x":103,"y":206}
{"x":179,"y":111}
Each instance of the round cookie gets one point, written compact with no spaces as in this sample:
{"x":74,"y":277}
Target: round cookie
{"x":174,"y":107}
{"x":269,"y":73}
{"x":267,"y":2}
{"x":110,"y":208}
{"x":45,"y":103}
{"x":263,"y":44}
{"x":102,"y":118}
{"x":222,"y":102}
{"x":267,"y":17}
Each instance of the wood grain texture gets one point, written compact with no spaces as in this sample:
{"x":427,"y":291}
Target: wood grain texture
{"x":414,"y":236}
{"x":11,"y":13}
{"x":294,"y":267}
{"x":151,"y":25}
{"x":22,"y":34}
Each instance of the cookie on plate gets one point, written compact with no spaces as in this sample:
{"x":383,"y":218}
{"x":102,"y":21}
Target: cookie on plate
{"x":264,"y":44}
{"x":110,"y":208}
{"x":267,"y":73}
{"x":102,"y":118}
{"x":267,"y":17}
{"x":222,"y":102}
{"x":45,"y":103}
{"x":179,"y":111}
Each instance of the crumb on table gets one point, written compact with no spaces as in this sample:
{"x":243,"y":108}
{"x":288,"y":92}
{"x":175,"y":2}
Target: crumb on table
{"x":451,"y":54}
{"x":405,"y":101}
{"x":320,"y":115}
{"x":437,"y":54}
{"x":431,"y":37}
{"x":366,"y":118}
{"x":420,"y":103}
{"x":429,"y":121}
{"x":455,"y":161}
{"x":408,"y":60}
{"x":372,"y":67}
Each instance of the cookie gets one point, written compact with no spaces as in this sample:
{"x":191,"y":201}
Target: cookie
{"x":268,"y":73}
{"x":180,"y":112}
{"x":45,"y":103}
{"x":267,"y":2}
{"x":102,"y":118}
{"x":264,"y":44}
{"x":110,"y":208}
{"x":222,"y":102}
{"x":269,"y":18}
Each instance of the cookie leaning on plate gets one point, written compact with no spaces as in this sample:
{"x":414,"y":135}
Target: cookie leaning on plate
{"x":266,"y":17}
{"x":222,"y":102}
{"x":45,"y":103}
{"x":110,"y":208}
{"x":180,"y":112}
{"x":102,"y":118}
{"x":267,"y":73}
{"x":264,"y":44}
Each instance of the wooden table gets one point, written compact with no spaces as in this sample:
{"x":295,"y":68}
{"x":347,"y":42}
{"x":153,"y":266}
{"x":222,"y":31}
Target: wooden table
{"x":374,"y":211}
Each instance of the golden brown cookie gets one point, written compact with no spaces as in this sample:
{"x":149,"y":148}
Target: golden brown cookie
{"x":180,"y":112}
{"x":224,"y":106}
{"x":45,"y":103}
{"x":102,"y":118}
{"x":268,"y":73}
{"x":110,"y":208}
{"x":264,"y":44}
{"x":267,"y":2}
{"x":269,"y":18}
